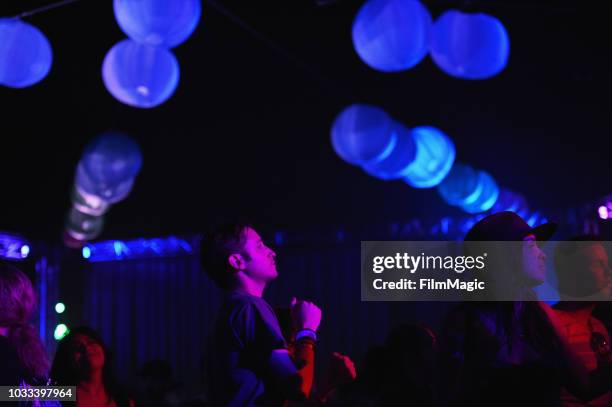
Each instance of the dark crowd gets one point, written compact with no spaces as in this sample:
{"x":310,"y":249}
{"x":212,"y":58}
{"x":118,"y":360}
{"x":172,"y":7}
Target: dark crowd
{"x":523,"y":352}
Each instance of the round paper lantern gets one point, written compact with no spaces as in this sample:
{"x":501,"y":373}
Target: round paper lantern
{"x":489,"y":192}
{"x":108,"y":192}
{"x":108,"y":167}
{"x":165,"y":23}
{"x":469,"y":46}
{"x":461,"y":186}
{"x":397,"y":162}
{"x":25,"y":54}
{"x":435,"y":154}
{"x":140,"y":75}
{"x":88,"y":203}
{"x":363,"y":134}
{"x":81,"y":226}
{"x":392,"y":35}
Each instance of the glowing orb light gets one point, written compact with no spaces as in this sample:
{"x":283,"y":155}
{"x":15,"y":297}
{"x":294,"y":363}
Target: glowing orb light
{"x":25,"y":54}
{"x":392,"y":35}
{"x":397,"y":162}
{"x":469,"y":46}
{"x":165,"y":23}
{"x":363,"y":134}
{"x":140,"y":75}
{"x":435,"y":154}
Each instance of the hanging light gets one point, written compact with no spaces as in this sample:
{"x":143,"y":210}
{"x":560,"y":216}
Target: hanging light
{"x":392,"y":35}
{"x":395,"y":165}
{"x":435,"y":154}
{"x":489,"y":192}
{"x":25,"y":54}
{"x":363,"y":134}
{"x":140,"y":75}
{"x":165,"y":23}
{"x":469,"y":45}
{"x":461,"y":186}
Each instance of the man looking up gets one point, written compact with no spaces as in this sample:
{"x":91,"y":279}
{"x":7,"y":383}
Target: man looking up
{"x":250,"y":363}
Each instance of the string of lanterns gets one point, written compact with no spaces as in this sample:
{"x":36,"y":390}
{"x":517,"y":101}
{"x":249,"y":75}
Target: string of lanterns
{"x":104,"y":176}
{"x":395,"y":35}
{"x":368,"y":137}
{"x":423,"y":157}
{"x":142,"y":71}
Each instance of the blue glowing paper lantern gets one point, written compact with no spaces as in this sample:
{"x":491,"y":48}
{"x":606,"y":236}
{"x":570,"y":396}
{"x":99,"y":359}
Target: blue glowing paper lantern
{"x":84,"y":201}
{"x":392,"y":35}
{"x":397,"y":162}
{"x":435,"y":154}
{"x":165,"y":23}
{"x":81,"y":226}
{"x":140,"y":75}
{"x":109,"y":193}
{"x":469,"y":46}
{"x":363,"y":134}
{"x":108,"y":167}
{"x":461,"y":186}
{"x":489,"y":192}
{"x":25,"y":54}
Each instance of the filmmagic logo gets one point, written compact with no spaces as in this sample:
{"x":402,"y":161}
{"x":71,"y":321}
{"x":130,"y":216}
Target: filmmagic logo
{"x":429,"y":284}
{"x":404,"y":261}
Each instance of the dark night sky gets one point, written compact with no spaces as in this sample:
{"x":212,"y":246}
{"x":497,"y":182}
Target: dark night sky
{"x":247,"y":131}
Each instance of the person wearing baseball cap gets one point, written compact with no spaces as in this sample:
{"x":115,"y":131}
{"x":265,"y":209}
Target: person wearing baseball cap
{"x":510,"y":351}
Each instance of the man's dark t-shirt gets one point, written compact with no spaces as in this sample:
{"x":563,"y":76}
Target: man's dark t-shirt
{"x":246,"y":333}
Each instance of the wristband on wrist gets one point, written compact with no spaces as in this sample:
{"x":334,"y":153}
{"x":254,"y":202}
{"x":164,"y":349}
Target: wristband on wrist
{"x":306,"y":333}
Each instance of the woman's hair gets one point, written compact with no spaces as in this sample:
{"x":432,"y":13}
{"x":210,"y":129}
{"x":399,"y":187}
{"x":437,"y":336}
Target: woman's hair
{"x":510,"y":303}
{"x":65,"y":371}
{"x":17,"y":304}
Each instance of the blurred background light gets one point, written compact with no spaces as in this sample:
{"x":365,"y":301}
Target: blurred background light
{"x":469,"y":45}
{"x":392,"y":35}
{"x":25,"y":54}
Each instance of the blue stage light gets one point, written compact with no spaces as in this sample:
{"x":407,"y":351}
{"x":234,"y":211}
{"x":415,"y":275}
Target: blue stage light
{"x":165,"y":23}
{"x":112,"y":250}
{"x":469,"y":46}
{"x":25,"y":250}
{"x":25,"y":54}
{"x":392,"y":35}
{"x":140,"y":75}
{"x":397,"y":162}
{"x":435,"y":154}
{"x":363,"y":134}
{"x":86,"y":252}
{"x":461,"y":186}
{"x":13,"y":247}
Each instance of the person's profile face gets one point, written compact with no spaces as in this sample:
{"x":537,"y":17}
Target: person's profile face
{"x":87,"y":353}
{"x":261,"y":263}
{"x":595,"y":264}
{"x":534,"y":261}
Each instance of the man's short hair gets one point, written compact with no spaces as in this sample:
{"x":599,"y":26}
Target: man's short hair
{"x":216,"y":247}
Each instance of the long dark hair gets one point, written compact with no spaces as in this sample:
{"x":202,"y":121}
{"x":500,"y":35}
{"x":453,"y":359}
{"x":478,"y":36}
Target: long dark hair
{"x":65,"y":372}
{"x":520,"y":316}
{"x":17,"y":304}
